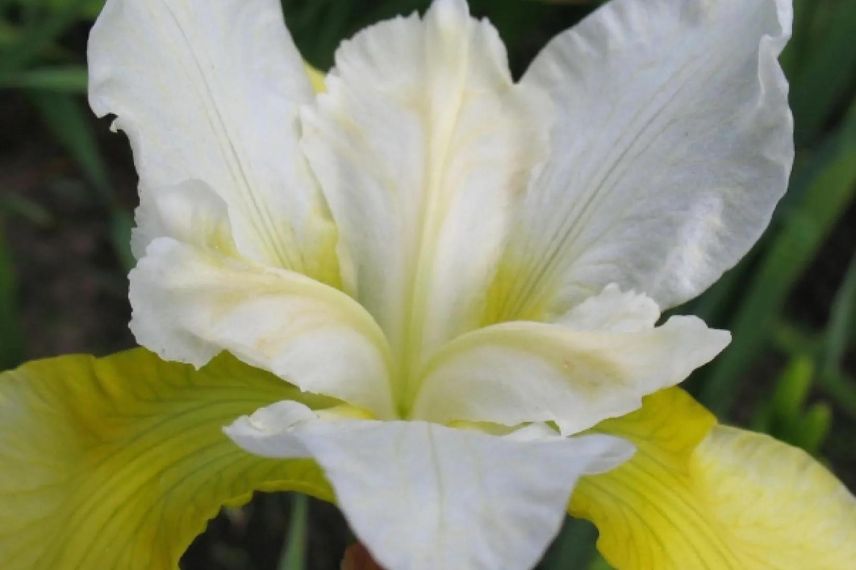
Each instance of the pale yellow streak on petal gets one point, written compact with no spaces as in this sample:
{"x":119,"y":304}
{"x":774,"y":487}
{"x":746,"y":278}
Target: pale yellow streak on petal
{"x":316,"y":78}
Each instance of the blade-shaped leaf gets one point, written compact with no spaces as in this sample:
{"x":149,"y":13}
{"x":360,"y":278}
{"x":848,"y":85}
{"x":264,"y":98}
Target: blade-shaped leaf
{"x":70,"y":78}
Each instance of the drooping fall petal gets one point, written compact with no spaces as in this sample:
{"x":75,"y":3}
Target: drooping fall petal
{"x":120,"y":462}
{"x":671,"y":146}
{"x":423,"y":496}
{"x":700,"y":495}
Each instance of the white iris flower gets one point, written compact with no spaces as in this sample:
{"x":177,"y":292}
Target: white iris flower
{"x":472,"y":266}
{"x":427,"y":293}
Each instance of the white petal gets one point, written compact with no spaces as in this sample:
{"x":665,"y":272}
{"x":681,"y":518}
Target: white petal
{"x":419,"y":145}
{"x":269,"y":431}
{"x":528,"y":372}
{"x":672,"y":145}
{"x":189,"y":212}
{"x":191,"y":303}
{"x":423,"y":497}
{"x":613,"y":310}
{"x":209,"y":90}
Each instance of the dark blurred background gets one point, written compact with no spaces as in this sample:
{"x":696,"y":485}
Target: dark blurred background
{"x":67,"y":190}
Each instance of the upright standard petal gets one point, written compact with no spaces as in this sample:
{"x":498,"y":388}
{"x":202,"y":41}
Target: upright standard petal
{"x":420,"y":143}
{"x":422,"y":496}
{"x":698,"y":495}
{"x":189,"y":303}
{"x":209,"y":90}
{"x":120,"y":462}
{"x":671,"y":147}
{"x":596,"y":363}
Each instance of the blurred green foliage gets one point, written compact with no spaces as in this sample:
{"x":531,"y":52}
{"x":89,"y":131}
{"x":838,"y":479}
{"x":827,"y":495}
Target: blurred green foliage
{"x":783,"y":373}
{"x":786,"y":415}
{"x":294,"y":551}
{"x":11,"y":339}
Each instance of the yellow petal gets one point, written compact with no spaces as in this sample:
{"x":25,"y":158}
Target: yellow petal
{"x":787,"y":509}
{"x":699,"y":495}
{"x":120,"y":462}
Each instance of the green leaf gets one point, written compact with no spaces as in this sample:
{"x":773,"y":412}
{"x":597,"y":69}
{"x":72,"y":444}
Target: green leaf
{"x":813,"y":428}
{"x":294,"y":554}
{"x":842,"y":321}
{"x":27,"y":209}
{"x":40,"y":35}
{"x":827,"y":68}
{"x":842,"y":389}
{"x":573,"y":548}
{"x":120,"y":462}
{"x":599,"y":564}
{"x":793,"y":387}
{"x":793,"y":57}
{"x":68,"y":79}
{"x":785,"y":416}
{"x":87,"y":8}
{"x":12,"y":35}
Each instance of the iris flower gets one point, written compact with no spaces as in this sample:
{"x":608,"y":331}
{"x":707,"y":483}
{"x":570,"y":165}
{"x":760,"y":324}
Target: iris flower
{"x":427,"y":292}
